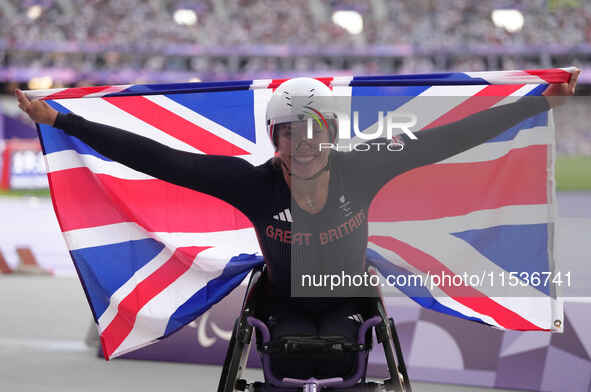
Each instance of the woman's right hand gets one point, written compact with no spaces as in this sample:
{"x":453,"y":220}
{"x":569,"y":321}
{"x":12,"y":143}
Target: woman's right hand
{"x":39,"y":111}
{"x":557,"y":94}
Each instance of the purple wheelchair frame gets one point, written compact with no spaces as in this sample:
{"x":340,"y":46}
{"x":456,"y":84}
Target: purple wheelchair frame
{"x":239,"y":347}
{"x":336,"y":382}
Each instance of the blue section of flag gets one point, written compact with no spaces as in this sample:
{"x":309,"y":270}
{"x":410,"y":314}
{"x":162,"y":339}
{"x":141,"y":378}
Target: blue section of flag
{"x":55,"y":140}
{"x":151,"y":89}
{"x":434,"y":79}
{"x":106,"y":268}
{"x":399,"y":92}
{"x":419,"y":294}
{"x":514,"y":248}
{"x":538,"y":90}
{"x":368,"y":101}
{"x":232,"y":109}
{"x":539,"y":120}
{"x":216,"y":289}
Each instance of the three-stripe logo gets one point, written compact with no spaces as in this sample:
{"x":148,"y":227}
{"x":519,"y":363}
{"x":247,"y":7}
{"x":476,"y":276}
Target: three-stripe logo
{"x":284,"y":216}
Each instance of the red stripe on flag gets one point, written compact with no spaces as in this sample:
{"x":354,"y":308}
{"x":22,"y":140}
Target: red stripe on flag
{"x":483,"y":100}
{"x":84,"y":199}
{"x":146,"y":290}
{"x":77,"y":92}
{"x":175,"y":125}
{"x":79,"y":201}
{"x":465,"y":295}
{"x":517,"y":178}
{"x":277,"y":82}
{"x":554,"y":75}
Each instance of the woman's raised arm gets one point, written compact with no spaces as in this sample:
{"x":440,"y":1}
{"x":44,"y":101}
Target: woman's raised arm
{"x":439,"y":143}
{"x":216,"y":175}
{"x":436,"y":144}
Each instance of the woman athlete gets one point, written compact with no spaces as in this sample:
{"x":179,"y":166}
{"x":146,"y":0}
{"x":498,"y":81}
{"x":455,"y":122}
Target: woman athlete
{"x":308,"y":205}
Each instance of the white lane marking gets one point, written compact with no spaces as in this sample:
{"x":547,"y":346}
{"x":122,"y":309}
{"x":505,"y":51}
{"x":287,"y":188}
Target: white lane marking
{"x":46,"y":345}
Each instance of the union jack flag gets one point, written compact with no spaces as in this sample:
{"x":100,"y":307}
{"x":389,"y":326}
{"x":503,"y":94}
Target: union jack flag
{"x":153,"y":256}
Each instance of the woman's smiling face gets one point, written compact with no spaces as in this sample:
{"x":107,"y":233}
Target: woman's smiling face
{"x":302,"y":154}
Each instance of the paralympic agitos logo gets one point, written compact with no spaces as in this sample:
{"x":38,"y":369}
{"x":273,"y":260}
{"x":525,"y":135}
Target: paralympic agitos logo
{"x":388,"y":126}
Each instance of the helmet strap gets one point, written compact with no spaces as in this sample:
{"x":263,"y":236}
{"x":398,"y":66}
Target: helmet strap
{"x":289,"y":173}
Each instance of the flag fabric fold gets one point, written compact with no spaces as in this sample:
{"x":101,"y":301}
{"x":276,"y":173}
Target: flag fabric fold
{"x":153,"y":256}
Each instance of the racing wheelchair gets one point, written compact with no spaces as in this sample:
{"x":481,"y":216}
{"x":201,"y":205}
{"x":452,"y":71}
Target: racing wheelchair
{"x":375,"y":318}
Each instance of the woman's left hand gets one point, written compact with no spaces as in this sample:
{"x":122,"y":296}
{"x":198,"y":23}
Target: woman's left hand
{"x":556,"y":93}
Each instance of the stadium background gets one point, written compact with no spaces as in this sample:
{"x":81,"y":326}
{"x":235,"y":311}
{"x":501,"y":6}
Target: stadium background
{"x":66,"y":43}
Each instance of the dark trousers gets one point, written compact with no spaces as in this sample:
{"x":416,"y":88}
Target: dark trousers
{"x":314,"y":318}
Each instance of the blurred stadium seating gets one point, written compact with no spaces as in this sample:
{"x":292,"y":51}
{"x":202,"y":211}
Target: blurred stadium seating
{"x":119,"y":40}
{"x":53,"y":43}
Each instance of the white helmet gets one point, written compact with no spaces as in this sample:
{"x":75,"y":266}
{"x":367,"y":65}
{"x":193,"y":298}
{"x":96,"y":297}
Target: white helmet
{"x":298,"y":99}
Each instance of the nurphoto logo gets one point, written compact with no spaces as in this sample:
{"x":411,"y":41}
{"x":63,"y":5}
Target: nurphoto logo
{"x":386,"y":126}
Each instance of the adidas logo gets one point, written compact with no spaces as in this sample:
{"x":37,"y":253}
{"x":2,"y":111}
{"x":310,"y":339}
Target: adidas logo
{"x":284,"y":216}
